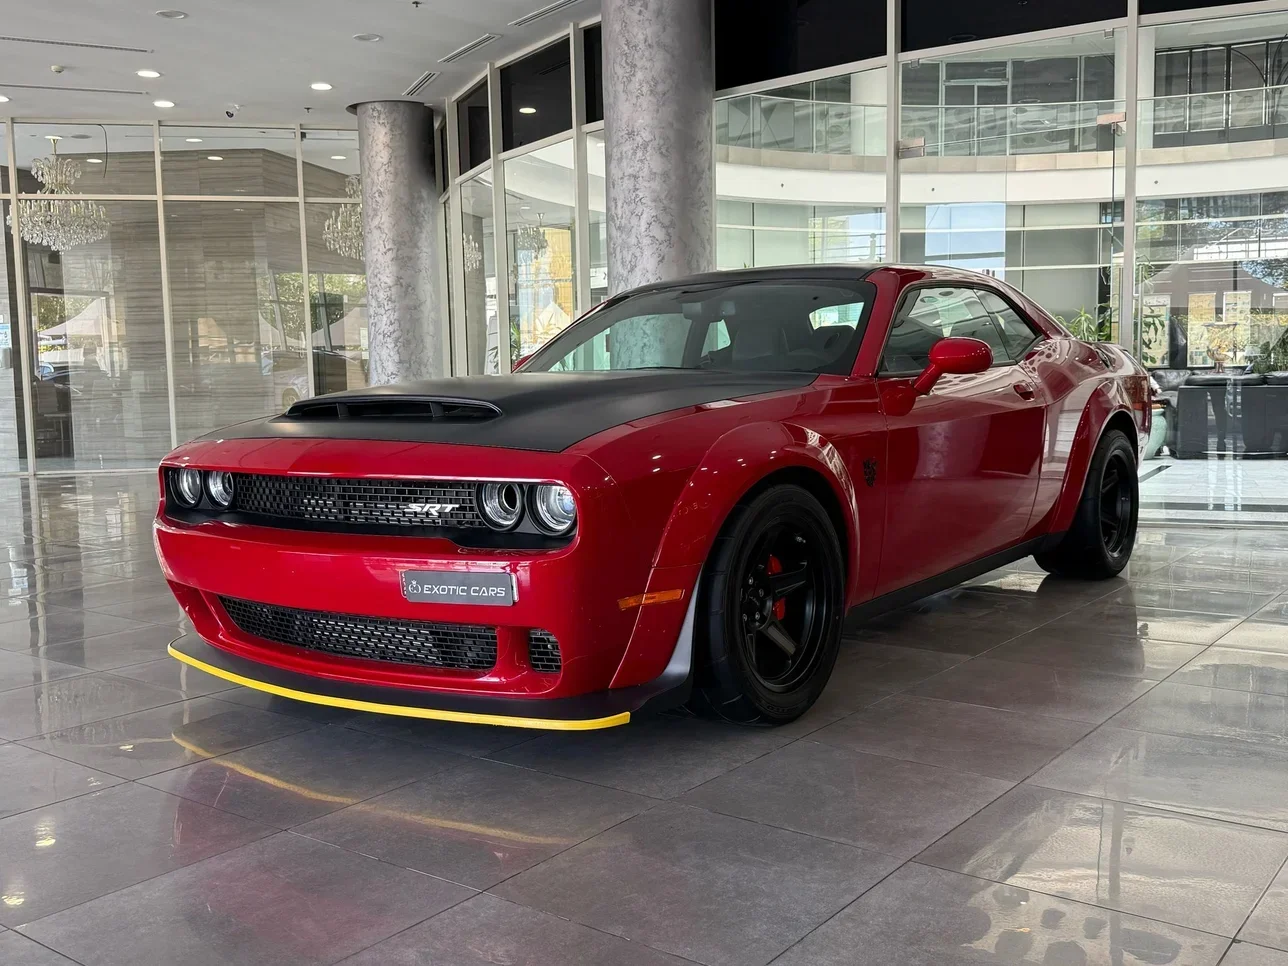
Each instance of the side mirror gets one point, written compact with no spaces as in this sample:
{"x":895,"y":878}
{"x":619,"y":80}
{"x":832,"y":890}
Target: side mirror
{"x":521,"y":361}
{"x":960,"y":356}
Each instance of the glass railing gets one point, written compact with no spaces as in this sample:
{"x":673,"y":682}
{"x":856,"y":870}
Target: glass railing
{"x":1246,"y":115}
{"x":761,"y":121}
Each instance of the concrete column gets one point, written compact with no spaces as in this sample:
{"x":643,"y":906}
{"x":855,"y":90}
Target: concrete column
{"x":400,"y":224}
{"x":659,"y":79}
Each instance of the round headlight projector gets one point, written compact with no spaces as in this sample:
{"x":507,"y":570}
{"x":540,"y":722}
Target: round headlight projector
{"x":187,"y":486}
{"x":501,"y":504}
{"x":554,"y":508}
{"x":219,"y":485}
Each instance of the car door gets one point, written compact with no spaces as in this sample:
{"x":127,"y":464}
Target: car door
{"x":962,"y":462}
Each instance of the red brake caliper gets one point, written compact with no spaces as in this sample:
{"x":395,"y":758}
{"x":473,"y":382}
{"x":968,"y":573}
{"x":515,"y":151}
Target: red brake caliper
{"x":775,"y":566}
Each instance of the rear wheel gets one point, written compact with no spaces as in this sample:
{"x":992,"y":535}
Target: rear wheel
{"x":1099,"y":543}
{"x":773,"y":598}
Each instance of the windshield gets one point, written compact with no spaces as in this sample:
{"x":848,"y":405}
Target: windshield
{"x":799,"y":325}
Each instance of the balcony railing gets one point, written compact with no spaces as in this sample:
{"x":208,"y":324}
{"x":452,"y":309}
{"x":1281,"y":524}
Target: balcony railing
{"x":1245,"y":115}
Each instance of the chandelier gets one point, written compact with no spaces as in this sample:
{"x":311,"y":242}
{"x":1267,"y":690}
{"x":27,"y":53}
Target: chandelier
{"x":472,"y":254}
{"x":59,"y":223}
{"x":532,"y":238}
{"x":342,"y":232}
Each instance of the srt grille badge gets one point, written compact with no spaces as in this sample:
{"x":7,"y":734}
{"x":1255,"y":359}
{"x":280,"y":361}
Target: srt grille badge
{"x":432,"y":509}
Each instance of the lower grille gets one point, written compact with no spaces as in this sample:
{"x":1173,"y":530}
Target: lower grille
{"x":543,"y":652}
{"x":469,"y":647}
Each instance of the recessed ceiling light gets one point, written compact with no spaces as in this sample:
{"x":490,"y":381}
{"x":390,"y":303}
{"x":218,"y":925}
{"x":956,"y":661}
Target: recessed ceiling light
{"x":339,"y":157}
{"x":193,"y":140}
{"x":163,"y":103}
{"x":214,"y":157}
{"x":368,"y":38}
{"x":527,"y":110}
{"x":320,"y":86}
{"x":3,"y":99}
{"x":148,"y":73}
{"x":525,"y":207}
{"x":171,"y":14}
{"x":94,"y":160}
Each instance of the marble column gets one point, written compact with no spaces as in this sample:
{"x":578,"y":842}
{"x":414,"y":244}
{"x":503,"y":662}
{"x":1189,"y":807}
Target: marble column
{"x":659,"y":78}
{"x":400,"y":225}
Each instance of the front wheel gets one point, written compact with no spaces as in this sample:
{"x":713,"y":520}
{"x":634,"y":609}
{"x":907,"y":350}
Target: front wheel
{"x":1099,"y":543}
{"x":773,"y":599}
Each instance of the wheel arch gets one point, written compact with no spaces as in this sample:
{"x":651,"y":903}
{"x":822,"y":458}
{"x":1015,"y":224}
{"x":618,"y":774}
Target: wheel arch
{"x":1101,"y":414}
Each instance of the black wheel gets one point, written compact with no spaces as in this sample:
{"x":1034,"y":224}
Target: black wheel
{"x":1099,"y":543}
{"x":772,"y":602}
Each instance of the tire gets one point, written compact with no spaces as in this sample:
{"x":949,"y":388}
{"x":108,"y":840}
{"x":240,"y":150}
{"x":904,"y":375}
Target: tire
{"x":776,"y":569}
{"x":1099,"y":543}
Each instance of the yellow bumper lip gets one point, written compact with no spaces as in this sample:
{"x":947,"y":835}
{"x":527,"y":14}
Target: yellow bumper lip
{"x":353,"y":704}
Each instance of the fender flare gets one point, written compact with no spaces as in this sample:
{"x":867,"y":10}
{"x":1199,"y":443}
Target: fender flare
{"x":732,"y":467}
{"x":1099,"y":409}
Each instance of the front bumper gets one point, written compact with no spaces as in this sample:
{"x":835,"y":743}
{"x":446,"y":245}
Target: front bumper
{"x":601,"y":709}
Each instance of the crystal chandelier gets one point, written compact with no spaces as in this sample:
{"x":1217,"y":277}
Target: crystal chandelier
{"x":531,"y":238}
{"x":342,"y":232}
{"x":59,"y":223}
{"x":472,"y":254}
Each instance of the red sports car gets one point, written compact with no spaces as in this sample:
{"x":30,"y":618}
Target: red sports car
{"x":678,"y":499}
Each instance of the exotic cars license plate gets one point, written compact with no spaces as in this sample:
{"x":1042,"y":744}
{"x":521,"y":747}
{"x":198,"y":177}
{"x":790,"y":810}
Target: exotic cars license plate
{"x":448,"y":587}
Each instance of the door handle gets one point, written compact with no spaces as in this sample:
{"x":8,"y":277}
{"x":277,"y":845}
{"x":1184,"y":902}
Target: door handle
{"x":1024,"y":390}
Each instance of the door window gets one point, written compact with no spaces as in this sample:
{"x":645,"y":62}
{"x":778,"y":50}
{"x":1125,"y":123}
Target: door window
{"x":1018,"y":334}
{"x":930,"y":314}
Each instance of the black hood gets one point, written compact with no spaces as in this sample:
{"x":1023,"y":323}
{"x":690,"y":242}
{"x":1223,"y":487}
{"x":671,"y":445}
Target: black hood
{"x":545,"y":411}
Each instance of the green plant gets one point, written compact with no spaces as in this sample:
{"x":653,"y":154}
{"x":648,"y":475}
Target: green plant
{"x":1090,"y":327}
{"x":1272,"y":356}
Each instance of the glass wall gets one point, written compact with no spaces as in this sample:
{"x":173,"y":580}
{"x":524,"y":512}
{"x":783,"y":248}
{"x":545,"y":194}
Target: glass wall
{"x":149,"y":319}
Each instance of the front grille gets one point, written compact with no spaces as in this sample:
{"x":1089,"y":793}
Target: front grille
{"x":469,"y":647}
{"x":358,"y":502}
{"x":543,"y":652}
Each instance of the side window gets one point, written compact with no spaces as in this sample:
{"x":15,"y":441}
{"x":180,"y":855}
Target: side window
{"x":931,"y":314}
{"x":1018,"y":334}
{"x":717,"y":337}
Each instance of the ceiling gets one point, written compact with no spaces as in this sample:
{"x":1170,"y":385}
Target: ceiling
{"x":256,"y":58}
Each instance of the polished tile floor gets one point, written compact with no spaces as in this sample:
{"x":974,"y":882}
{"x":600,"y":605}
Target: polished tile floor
{"x":1022,"y":770}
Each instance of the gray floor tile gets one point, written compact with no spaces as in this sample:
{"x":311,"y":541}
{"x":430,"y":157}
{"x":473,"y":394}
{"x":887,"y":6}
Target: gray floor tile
{"x":147,"y":642}
{"x":1154,"y":623}
{"x":97,"y":596}
{"x":59,"y":855}
{"x":477,"y":824}
{"x":659,"y":757}
{"x":26,"y":712}
{"x":707,"y":887}
{"x":843,"y":695}
{"x":1218,"y":778}
{"x":146,"y":742}
{"x":965,"y":737}
{"x":1234,"y":558}
{"x":297,"y":778}
{"x":932,"y":632}
{"x":1182,"y":709}
{"x":1044,"y":586}
{"x":24,"y":671}
{"x":317,"y":713}
{"x":1150,"y":593}
{"x":57,"y":626}
{"x":485,"y":930}
{"x":886,"y":668}
{"x":880,"y":804}
{"x":169,"y":673}
{"x":928,"y":917}
{"x":285,"y":901}
{"x":1276,"y":610}
{"x":1181,"y":869}
{"x":1258,"y":634}
{"x":32,"y":779}
{"x":1182,"y":573}
{"x":1268,"y":924}
{"x":160,"y":609}
{"x":1140,"y":659}
{"x":460,"y":739}
{"x":1246,"y":954}
{"x":1058,"y":692}
{"x":1238,"y":670}
{"x":18,"y":950}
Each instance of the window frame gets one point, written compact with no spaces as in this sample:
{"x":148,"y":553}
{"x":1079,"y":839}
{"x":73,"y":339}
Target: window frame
{"x":910,"y":290}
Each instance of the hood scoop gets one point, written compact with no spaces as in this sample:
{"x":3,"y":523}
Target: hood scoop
{"x":420,"y":409}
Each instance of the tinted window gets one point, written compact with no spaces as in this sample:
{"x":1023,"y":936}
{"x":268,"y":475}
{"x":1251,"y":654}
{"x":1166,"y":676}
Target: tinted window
{"x":471,"y":119}
{"x":934,"y":23}
{"x":536,"y":96}
{"x":764,"y":326}
{"x":594,"y":48}
{"x":930,"y":314}
{"x":1017,"y":333}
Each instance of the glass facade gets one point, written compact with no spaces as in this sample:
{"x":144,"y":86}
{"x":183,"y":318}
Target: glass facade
{"x":140,"y":314}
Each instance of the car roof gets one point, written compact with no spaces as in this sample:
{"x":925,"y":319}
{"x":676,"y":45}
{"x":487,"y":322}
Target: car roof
{"x":852,"y":271}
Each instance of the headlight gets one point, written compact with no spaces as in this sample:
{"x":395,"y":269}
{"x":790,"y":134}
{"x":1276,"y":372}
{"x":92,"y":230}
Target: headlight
{"x":554,"y":508}
{"x":219,"y":484}
{"x":187,"y":487}
{"x":501,"y":504}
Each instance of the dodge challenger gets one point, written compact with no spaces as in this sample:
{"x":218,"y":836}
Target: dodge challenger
{"x":679,"y":500}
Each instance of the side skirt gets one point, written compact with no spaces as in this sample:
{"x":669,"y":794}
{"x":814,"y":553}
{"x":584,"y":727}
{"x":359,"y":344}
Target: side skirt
{"x":933,"y":585}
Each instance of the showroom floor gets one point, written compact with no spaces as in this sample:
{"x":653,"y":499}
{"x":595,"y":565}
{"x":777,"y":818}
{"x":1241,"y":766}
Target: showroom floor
{"x":1020,"y":771}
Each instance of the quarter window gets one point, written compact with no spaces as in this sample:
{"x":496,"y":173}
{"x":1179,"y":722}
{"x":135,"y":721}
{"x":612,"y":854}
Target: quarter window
{"x":1017,"y":333}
